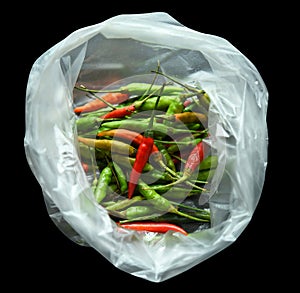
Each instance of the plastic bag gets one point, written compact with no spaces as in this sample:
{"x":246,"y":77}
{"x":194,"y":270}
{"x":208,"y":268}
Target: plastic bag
{"x":125,"y":47}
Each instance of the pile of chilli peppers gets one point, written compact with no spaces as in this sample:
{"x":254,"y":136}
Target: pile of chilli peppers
{"x":144,"y":149}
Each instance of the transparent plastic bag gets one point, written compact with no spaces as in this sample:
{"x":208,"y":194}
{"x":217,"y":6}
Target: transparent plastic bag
{"x":128,"y":47}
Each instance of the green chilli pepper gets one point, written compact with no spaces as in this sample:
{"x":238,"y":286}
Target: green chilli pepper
{"x":210,"y":162}
{"x":206,"y":174}
{"x":163,"y":104}
{"x":173,"y":218}
{"x":166,"y":155}
{"x":154,"y":198}
{"x":121,"y":177}
{"x":85,"y":124}
{"x":207,"y":168}
{"x":139,"y":89}
{"x":124,"y":203}
{"x":142,"y":125}
{"x":194,"y":126}
{"x":102,"y":185}
{"x":176,"y":106}
{"x":138,"y":211}
{"x":189,"y":143}
{"x":160,"y":203}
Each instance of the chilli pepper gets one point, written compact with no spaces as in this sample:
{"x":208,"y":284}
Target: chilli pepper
{"x":143,"y":152}
{"x":85,"y":124}
{"x":194,"y":159}
{"x":175,"y":219}
{"x":185,"y":143}
{"x":160,"y":203}
{"x":142,"y":156}
{"x":120,"y":112}
{"x":125,"y":111}
{"x":139,"y":89}
{"x":205,"y":175}
{"x":191,"y":117}
{"x":136,"y":212}
{"x":186,"y":117}
{"x":120,"y":177}
{"x":210,"y":162}
{"x":102,"y":184}
{"x":112,"y":98}
{"x":164,"y":103}
{"x":169,"y":162}
{"x":187,"y":102}
{"x":159,"y":227}
{"x":141,"y":125}
{"x":176,"y":106}
{"x":85,"y":166}
{"x":122,"y":204}
{"x":130,"y":136}
{"x":109,"y":145}
{"x":207,"y":168}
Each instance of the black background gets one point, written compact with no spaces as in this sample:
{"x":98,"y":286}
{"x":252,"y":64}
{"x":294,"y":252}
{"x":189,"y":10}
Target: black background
{"x":40,"y":256}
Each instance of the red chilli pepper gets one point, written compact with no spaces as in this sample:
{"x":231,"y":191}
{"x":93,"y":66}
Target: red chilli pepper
{"x":142,"y":156}
{"x":153,"y":227}
{"x":187,"y":102}
{"x":143,"y":153}
{"x":194,"y":159}
{"x":119,"y":113}
{"x":125,"y":111}
{"x":85,"y":166}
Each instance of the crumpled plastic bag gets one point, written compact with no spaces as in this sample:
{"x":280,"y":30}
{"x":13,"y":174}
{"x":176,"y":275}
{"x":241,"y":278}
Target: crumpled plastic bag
{"x":130,"y":45}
